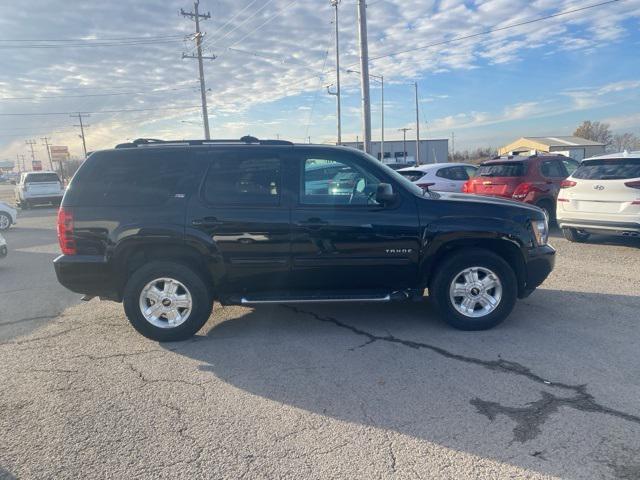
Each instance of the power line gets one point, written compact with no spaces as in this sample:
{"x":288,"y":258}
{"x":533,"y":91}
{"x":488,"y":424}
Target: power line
{"x":98,"y":112}
{"x":232,"y":19}
{"x":90,"y":45}
{"x":89,"y":39}
{"x":268,"y":20}
{"x":96,"y":94}
{"x":493,"y":30}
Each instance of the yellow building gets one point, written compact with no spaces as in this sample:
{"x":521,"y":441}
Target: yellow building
{"x":574,"y":147}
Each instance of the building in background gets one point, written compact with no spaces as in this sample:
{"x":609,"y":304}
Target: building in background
{"x":431,"y":151}
{"x":574,"y":147}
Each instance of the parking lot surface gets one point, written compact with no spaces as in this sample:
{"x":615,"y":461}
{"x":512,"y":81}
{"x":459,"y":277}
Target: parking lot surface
{"x":333,"y":391}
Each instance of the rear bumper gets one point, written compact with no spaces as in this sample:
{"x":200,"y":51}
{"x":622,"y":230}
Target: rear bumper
{"x":539,"y":264}
{"x":87,"y":274}
{"x":599,"y":225}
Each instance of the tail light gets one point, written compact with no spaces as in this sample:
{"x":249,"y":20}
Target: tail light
{"x":466,"y":187}
{"x":522,"y":191}
{"x":425,"y":186}
{"x":634,"y":184}
{"x":65,"y":232}
{"x":568,"y":184}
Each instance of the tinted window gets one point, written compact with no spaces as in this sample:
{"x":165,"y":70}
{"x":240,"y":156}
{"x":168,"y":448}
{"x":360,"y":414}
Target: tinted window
{"x":350,"y":185}
{"x":246,"y":181}
{"x":619,"y":168}
{"x":412,"y":175}
{"x":453,"y":173}
{"x":552,"y":169}
{"x":471,"y":171}
{"x":41,"y":178}
{"x":507,"y":169}
{"x":570,"y":165}
{"x":128,"y":178}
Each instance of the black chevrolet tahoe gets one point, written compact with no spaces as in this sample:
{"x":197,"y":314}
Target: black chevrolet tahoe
{"x":169,"y":227}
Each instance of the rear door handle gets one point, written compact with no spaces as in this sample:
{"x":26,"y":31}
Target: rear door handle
{"x":206,"y":222}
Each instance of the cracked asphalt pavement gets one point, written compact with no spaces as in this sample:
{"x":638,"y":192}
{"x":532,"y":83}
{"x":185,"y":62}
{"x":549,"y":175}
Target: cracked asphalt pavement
{"x":327,"y":391}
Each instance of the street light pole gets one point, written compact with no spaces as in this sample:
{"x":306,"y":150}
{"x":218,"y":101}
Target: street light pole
{"x":404,"y":142}
{"x":417,"y":127}
{"x":364,"y":75}
{"x":335,"y":3}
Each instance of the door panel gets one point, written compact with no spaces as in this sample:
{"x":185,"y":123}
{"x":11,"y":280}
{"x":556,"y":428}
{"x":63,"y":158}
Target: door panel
{"x":241,"y":210}
{"x":339,"y":244}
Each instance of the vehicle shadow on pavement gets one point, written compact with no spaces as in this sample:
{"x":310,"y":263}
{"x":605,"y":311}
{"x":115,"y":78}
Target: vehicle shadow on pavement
{"x":541,"y":391}
{"x":597,"y":239}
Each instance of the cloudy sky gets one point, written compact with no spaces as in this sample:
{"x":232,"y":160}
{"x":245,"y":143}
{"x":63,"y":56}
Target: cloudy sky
{"x":122,"y":62}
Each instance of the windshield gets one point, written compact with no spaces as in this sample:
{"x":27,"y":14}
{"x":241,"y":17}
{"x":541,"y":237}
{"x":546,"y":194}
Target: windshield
{"x":610,"y":169}
{"x":507,"y":169}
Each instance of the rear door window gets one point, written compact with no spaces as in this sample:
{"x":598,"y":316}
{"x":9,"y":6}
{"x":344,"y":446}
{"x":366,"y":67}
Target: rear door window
{"x":506,"y":169}
{"x":253,"y":180}
{"x":609,"y":169}
{"x":453,"y":173}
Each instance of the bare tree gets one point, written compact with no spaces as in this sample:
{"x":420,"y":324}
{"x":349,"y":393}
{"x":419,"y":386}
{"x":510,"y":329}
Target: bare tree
{"x":595,"y":131}
{"x":625,"y":141}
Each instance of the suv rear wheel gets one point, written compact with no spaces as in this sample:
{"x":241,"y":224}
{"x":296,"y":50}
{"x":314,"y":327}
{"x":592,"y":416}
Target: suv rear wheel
{"x":574,"y":235}
{"x":474,"y":290}
{"x":167,"y":301}
{"x":5,"y":221}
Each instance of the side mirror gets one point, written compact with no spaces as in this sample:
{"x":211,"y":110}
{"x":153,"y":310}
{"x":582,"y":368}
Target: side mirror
{"x":384,"y":194}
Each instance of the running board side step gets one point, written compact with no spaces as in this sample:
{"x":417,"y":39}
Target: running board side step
{"x":317,"y":299}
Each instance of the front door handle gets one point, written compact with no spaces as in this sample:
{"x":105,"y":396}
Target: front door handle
{"x":206,"y":222}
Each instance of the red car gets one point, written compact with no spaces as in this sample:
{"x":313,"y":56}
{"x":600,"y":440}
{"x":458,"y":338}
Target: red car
{"x":532,"y":179}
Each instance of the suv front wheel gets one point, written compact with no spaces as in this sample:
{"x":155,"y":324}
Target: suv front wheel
{"x":167,"y":301}
{"x":474,"y":290}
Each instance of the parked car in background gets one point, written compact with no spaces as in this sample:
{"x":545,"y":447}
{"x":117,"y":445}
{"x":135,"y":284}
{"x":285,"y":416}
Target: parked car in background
{"x":440,"y":177}
{"x":167,"y":227}
{"x":38,"y":188}
{"x":601,"y":196}
{"x":8,"y":215}
{"x":532,"y":179}
{"x":3,"y":247}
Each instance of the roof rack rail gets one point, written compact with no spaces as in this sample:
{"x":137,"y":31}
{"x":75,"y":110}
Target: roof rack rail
{"x":246,"y":140}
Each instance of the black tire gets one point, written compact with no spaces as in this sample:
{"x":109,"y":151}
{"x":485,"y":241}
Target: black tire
{"x":202,"y":302}
{"x":550,"y":208}
{"x":574,"y":235}
{"x":448,"y":272}
{"x":6,"y":217}
{"x":25,"y":205}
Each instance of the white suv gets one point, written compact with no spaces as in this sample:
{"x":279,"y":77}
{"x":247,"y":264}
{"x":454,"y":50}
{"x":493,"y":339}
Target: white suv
{"x":440,"y":177}
{"x":601,"y":196}
{"x":38,"y":187}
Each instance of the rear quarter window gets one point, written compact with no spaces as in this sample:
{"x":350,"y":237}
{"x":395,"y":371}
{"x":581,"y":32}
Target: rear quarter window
{"x":412,"y":175}
{"x":129,"y":178}
{"x":610,"y":169}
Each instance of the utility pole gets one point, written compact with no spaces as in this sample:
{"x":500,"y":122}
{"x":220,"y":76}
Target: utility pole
{"x":334,"y":4}
{"x":82,"y":125}
{"x":31,"y":144}
{"x":45,"y":140}
{"x":364,"y":75}
{"x":404,"y":142}
{"x":198,"y":38}
{"x":453,"y":145}
{"x":417,"y":126}
{"x":21,"y":157}
{"x":382,"y":120}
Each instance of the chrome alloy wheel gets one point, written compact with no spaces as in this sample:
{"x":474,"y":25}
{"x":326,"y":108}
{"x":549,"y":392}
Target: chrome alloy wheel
{"x":165,"y":303}
{"x":5,"y":221}
{"x":475,"y":292}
